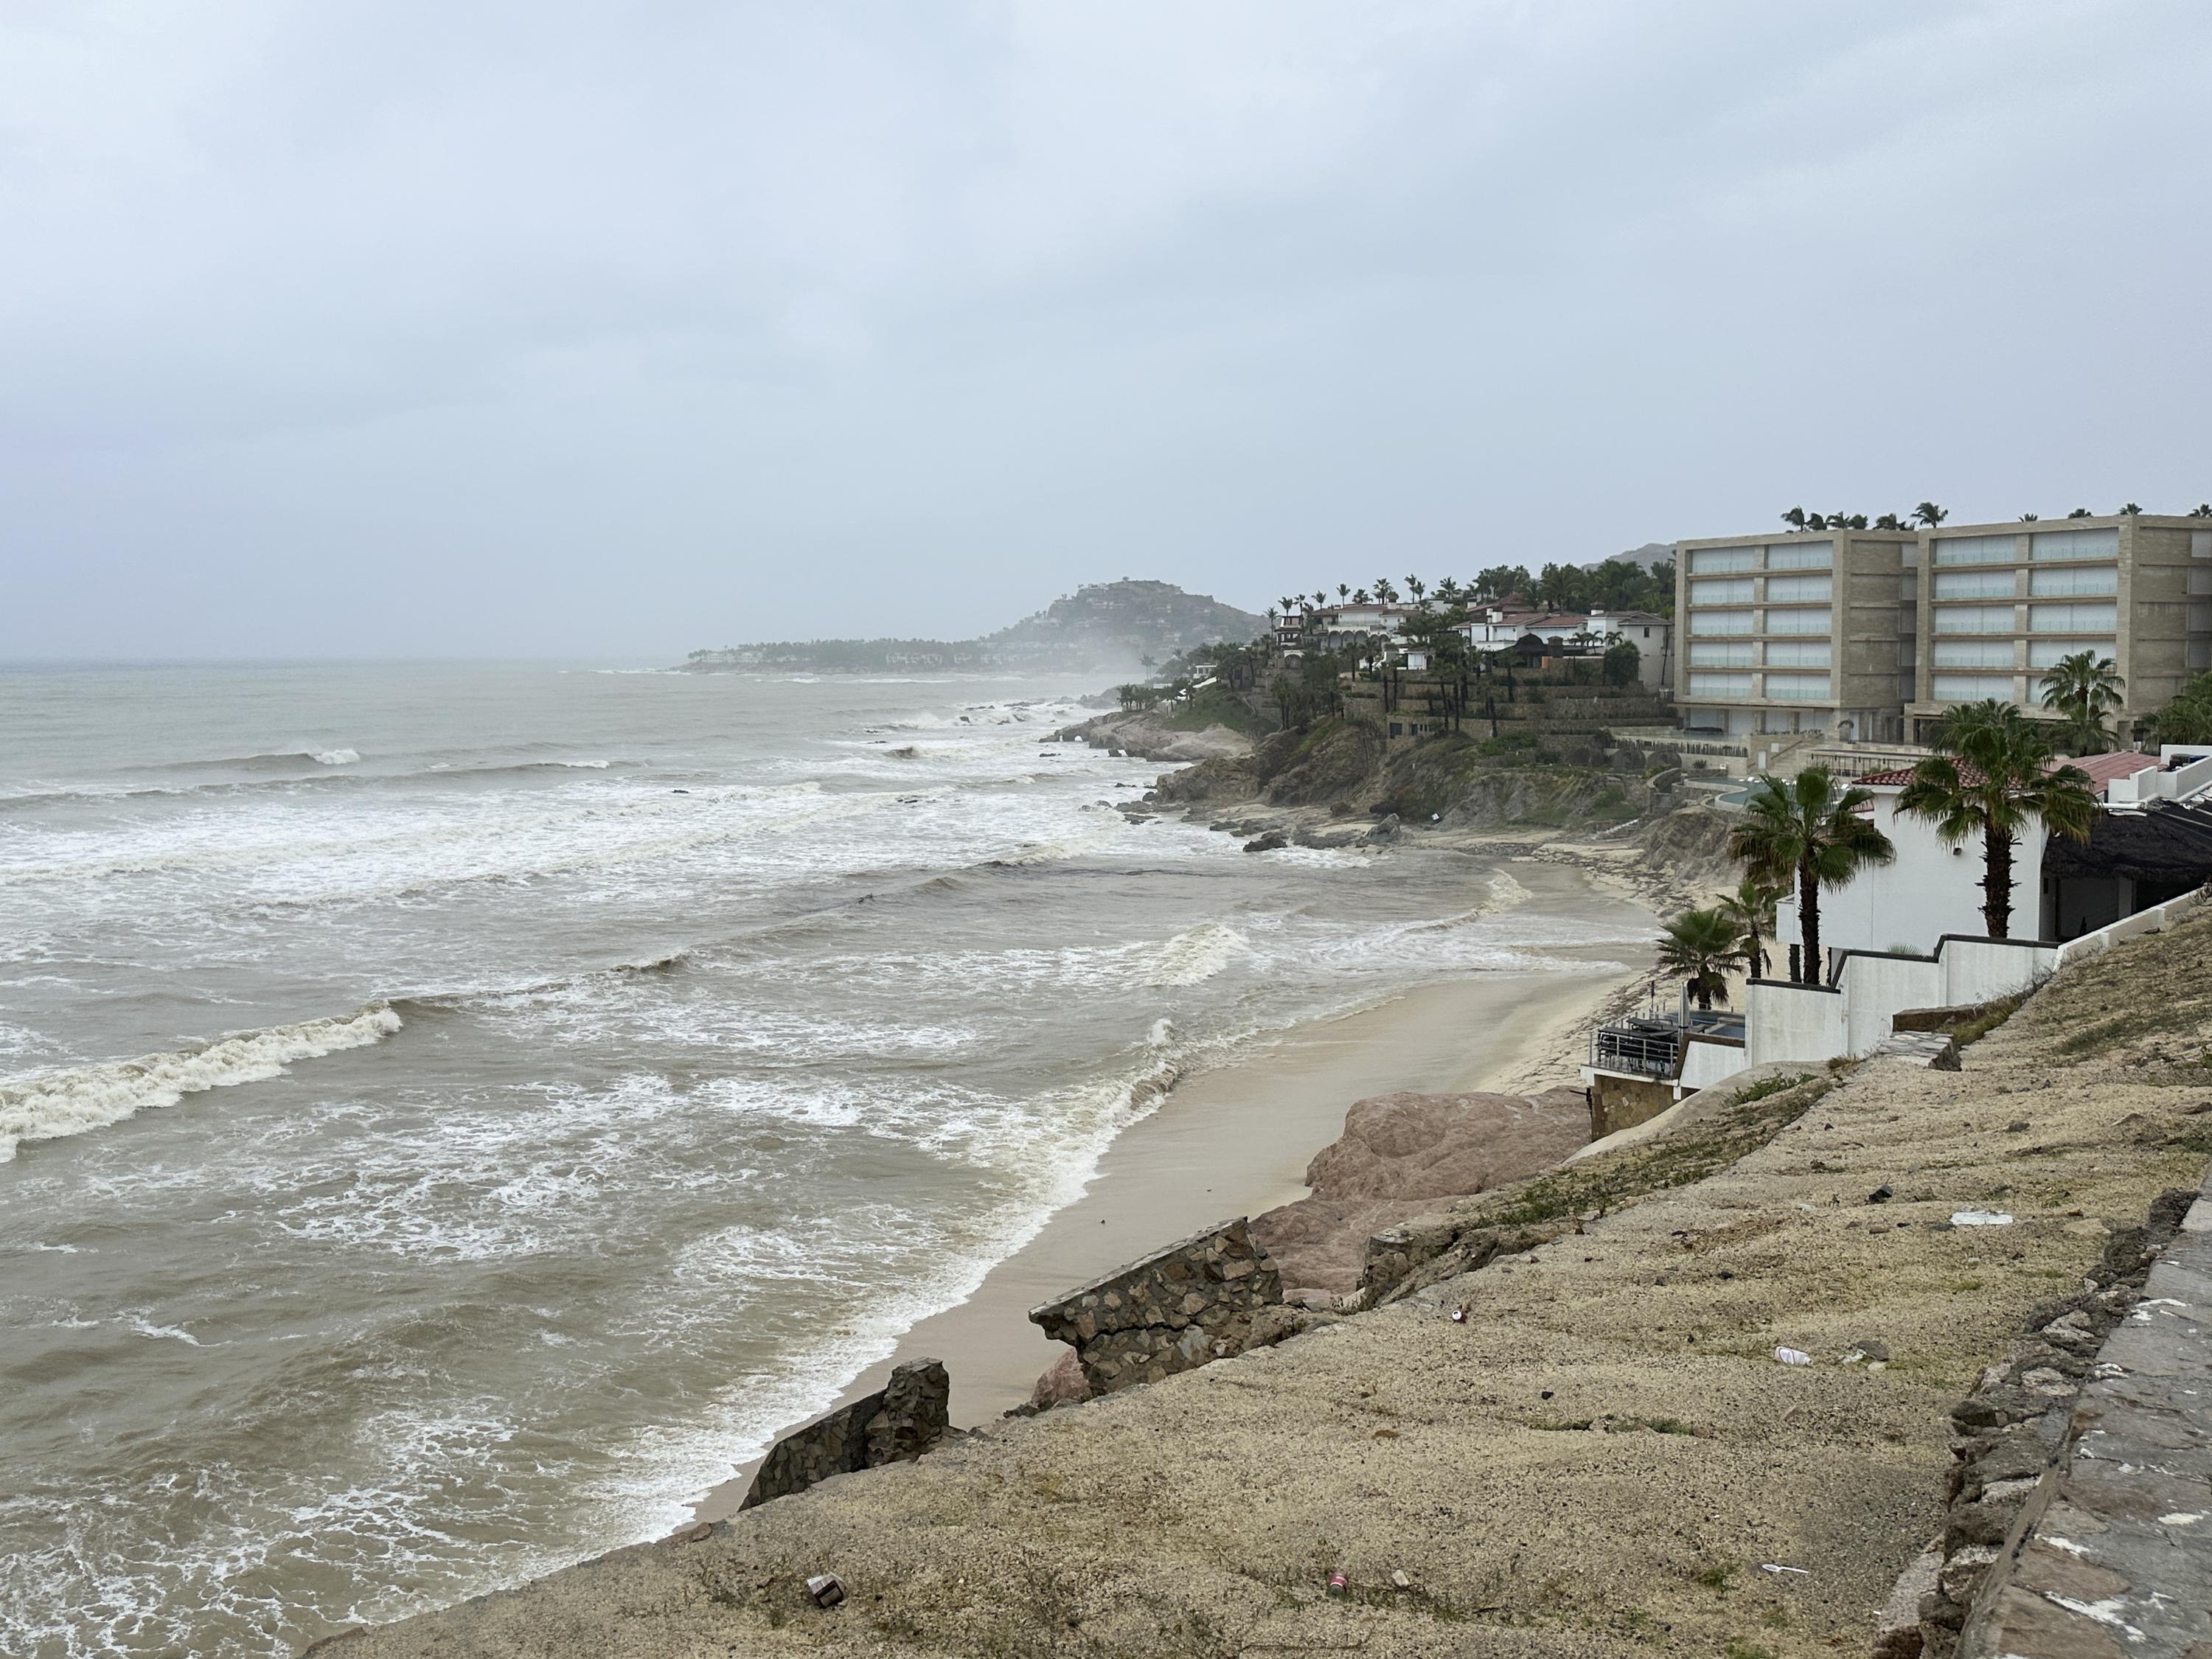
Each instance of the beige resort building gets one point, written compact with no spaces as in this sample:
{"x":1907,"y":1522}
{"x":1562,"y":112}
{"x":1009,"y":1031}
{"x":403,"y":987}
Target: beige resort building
{"x":1870,"y":636}
{"x":2001,"y":604}
{"x":1796,"y":633}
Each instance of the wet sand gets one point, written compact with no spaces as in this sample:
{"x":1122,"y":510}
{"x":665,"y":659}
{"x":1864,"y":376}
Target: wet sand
{"x":1236,"y":1141}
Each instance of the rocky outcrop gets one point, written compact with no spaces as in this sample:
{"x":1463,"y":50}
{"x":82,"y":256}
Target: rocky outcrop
{"x":1187,"y":1304}
{"x":1148,"y":737}
{"x":895,"y":1426}
{"x":1398,"y":1155}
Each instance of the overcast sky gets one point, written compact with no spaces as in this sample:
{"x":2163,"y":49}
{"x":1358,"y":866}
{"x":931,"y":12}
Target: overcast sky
{"x":370,"y":327}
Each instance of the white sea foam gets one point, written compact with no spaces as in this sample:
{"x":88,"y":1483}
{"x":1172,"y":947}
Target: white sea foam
{"x":48,"y":1105}
{"x":1195,"y":955}
{"x":337,"y":758}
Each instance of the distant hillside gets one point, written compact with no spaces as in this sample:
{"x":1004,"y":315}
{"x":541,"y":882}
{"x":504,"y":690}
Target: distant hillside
{"x":1108,"y":626}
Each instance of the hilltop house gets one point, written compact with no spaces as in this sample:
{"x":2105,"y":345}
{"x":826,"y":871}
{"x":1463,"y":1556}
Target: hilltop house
{"x":1497,"y":628}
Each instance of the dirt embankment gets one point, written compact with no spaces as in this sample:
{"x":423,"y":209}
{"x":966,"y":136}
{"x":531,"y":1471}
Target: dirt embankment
{"x":1399,"y":1154}
{"x":1587,"y":1448}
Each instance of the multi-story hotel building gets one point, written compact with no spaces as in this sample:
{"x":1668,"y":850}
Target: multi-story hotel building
{"x":1807,"y":632}
{"x":2000,"y":604}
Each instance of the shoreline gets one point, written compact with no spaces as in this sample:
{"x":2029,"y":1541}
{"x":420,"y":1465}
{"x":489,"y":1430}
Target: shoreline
{"x":1235,"y":1140}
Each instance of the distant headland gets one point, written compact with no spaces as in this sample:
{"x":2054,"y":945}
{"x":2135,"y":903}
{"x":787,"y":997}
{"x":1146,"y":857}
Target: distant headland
{"x":1107,"y":626}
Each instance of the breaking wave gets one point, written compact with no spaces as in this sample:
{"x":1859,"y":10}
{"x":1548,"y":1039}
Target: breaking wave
{"x":50,"y":1105}
{"x":280,"y":760}
{"x":1195,"y":956}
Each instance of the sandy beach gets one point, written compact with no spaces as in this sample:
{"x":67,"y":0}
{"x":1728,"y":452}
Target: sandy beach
{"x":1236,"y":1140}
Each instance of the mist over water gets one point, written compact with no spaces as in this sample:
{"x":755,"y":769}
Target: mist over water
{"x":451,"y":1115}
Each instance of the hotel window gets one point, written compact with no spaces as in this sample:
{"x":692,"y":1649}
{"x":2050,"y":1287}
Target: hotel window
{"x":2200,"y":655}
{"x":1720,"y":621}
{"x":1800,"y":556}
{"x":1716,"y":561}
{"x":1735,"y":591}
{"x":1971,"y":687}
{"x":1797,"y":688}
{"x":2200,"y":544}
{"x":2045,"y":654}
{"x":1971,"y":653}
{"x":1974,"y":618}
{"x":1798,"y":653}
{"x":1798,"y":622}
{"x":2073,"y":618}
{"x":2061,"y":584}
{"x":1974,"y":584}
{"x":1720,"y":686}
{"x":1782,"y":590}
{"x":2075,"y":543}
{"x":1724,"y":654}
{"x":1977,"y":550}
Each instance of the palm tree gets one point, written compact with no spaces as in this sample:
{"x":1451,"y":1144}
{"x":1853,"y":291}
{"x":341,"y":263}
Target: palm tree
{"x":2080,"y":513}
{"x":2202,"y":510}
{"x":1321,"y":596}
{"x":1383,"y":591}
{"x":1889,"y":521}
{"x":1806,"y":831}
{"x":1794,"y":518}
{"x":2129,"y":510}
{"x":1929,"y":515}
{"x":1750,"y":909}
{"x":1702,"y":946}
{"x":1992,"y":777}
{"x":2082,"y":688}
{"x":1416,"y":586}
{"x":1343,"y":591}
{"x":1359,"y":596}
{"x":2029,"y":518}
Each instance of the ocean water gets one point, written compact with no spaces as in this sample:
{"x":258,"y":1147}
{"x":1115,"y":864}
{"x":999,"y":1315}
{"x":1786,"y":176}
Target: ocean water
{"x":449,"y":1116}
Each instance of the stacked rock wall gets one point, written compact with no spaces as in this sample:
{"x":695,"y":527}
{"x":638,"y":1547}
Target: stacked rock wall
{"x":1190,"y":1302}
{"x":893,"y":1426}
{"x":2016,"y":1432}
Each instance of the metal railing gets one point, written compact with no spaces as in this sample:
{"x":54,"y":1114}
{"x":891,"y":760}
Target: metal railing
{"x":1646,"y":1048}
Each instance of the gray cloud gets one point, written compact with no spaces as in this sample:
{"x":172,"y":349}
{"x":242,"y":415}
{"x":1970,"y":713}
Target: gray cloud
{"x":557,"y":329}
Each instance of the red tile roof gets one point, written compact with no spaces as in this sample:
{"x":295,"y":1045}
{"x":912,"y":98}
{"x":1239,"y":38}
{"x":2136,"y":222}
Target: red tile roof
{"x":2102,"y":770}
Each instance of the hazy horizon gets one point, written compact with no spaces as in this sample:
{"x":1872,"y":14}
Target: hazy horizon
{"x":383,"y":332}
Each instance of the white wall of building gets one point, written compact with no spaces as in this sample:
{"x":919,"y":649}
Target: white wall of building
{"x":1793,"y":1022}
{"x":1929,"y":890}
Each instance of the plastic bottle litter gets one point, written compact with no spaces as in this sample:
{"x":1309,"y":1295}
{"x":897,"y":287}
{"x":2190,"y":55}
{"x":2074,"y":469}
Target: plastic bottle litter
{"x":1337,"y":1584}
{"x":1793,"y":1356}
{"x":1775,"y":1566}
{"x":827,"y":1589}
{"x":1980,"y":1219}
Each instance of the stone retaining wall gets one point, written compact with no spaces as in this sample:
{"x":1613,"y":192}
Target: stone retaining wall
{"x":2016,"y":1434}
{"x":1191,"y":1303}
{"x":895,"y":1426}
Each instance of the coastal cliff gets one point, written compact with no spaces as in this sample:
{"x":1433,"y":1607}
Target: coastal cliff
{"x":1692,"y":1397}
{"x":1106,"y":626}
